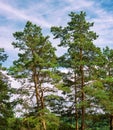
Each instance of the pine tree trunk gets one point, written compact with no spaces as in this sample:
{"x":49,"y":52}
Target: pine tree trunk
{"x":38,"y":97}
{"x":83,"y":96}
{"x":83,"y":107}
{"x":76,"y":125}
{"x":42,"y":107}
{"x":83,"y":115}
{"x":35,"y":86}
{"x":76,"y":109}
{"x":111,"y":122}
{"x":43,"y":124}
{"x":42,"y":99}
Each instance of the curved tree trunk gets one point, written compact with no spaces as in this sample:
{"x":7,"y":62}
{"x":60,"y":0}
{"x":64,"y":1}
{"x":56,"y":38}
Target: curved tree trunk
{"x":39,"y":98}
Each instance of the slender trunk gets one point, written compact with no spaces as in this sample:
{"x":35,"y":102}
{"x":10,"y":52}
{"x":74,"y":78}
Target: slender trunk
{"x":76,"y":109}
{"x":36,"y":88}
{"x":35,"y":80}
{"x":83,"y":114}
{"x":42,"y":107}
{"x":83,"y":95}
{"x":44,"y":124}
{"x":83,"y":98}
{"x":111,"y":122}
{"x":39,"y":98}
{"x":42,"y":99}
{"x":77,"y":126}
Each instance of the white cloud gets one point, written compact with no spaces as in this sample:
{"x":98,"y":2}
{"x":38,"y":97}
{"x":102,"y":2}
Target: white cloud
{"x":47,"y":13}
{"x":6,"y":37}
{"x":16,"y":14}
{"x":103,"y":26}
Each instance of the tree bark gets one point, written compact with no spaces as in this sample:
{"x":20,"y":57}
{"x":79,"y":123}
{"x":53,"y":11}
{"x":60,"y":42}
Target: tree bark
{"x":42,"y":99}
{"x":111,"y":122}
{"x":83,"y":107}
{"x":83,"y":95}
{"x":83,"y":114}
{"x":76,"y":109}
{"x":36,"y":87}
{"x":39,"y":98}
{"x":44,"y":124}
{"x":77,"y":126}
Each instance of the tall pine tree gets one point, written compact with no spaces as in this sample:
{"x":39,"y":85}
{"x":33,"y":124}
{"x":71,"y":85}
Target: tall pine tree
{"x":35,"y":64}
{"x":81,"y":57}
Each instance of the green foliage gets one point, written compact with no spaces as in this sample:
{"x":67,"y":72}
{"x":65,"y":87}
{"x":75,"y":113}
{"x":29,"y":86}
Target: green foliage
{"x":61,"y":86}
{"x":35,"y":67}
{"x":36,"y":60}
{"x":35,"y":122}
{"x":87,"y":85}
{"x":36,"y":51}
{"x":81,"y":57}
{"x":6,"y":106}
{"x":97,"y":95}
{"x":3,"y":56}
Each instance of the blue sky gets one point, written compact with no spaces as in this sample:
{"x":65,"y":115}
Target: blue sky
{"x":46,"y":13}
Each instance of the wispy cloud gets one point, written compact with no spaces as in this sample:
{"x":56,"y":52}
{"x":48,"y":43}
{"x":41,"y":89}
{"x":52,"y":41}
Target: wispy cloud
{"x":103,"y":26}
{"x":16,"y":14}
{"x":47,"y":13}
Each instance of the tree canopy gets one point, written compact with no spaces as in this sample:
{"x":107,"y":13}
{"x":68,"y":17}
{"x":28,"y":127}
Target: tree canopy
{"x":79,"y":98}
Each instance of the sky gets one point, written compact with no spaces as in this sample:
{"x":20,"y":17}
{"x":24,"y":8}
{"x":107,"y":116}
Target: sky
{"x":47,"y":13}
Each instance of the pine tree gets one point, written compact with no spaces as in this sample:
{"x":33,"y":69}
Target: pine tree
{"x":6,"y":105}
{"x":108,"y":81}
{"x":100,"y":90}
{"x":81,"y":57}
{"x":35,"y":64}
